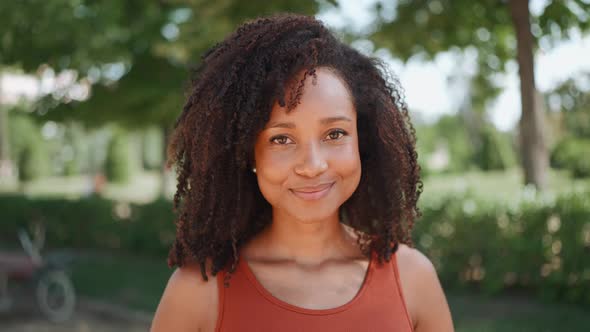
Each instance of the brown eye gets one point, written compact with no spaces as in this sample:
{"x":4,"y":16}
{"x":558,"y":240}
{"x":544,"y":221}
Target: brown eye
{"x":280,"y":140}
{"x":336,"y":134}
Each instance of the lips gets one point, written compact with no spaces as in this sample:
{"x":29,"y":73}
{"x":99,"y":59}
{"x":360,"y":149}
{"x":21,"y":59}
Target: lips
{"x":312,"y":193}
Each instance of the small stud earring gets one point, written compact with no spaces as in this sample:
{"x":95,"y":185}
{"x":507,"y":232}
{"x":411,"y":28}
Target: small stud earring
{"x":254,"y":169}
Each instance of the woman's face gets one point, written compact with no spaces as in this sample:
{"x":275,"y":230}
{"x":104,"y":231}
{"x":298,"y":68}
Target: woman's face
{"x":307,"y":162}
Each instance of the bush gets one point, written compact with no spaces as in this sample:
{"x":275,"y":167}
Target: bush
{"x":572,"y":154}
{"x":152,"y":149}
{"x":33,"y":162}
{"x":118,"y":164}
{"x":75,"y":150}
{"x":453,"y":130}
{"x":92,"y":223}
{"x":535,"y":245}
{"x":495,"y":151}
{"x":27,"y":147}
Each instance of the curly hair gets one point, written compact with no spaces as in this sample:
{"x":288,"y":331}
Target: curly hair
{"x":218,"y":203}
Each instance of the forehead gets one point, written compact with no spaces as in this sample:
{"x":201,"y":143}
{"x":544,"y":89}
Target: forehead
{"x":328,"y":97}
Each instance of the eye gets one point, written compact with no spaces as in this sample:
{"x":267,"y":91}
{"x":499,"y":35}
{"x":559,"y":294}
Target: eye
{"x":280,"y":140}
{"x":336,"y":134}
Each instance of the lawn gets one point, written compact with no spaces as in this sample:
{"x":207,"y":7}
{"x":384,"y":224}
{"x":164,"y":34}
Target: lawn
{"x":139,"y":282}
{"x":496,"y":186}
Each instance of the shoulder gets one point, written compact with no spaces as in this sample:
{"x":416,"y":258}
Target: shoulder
{"x":424,"y":296}
{"x":189,"y":303}
{"x":412,"y":261}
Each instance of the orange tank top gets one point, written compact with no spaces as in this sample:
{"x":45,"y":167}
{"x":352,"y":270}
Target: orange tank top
{"x":378,"y":306}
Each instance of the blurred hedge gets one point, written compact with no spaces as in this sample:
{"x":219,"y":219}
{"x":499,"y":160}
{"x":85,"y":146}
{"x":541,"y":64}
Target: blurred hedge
{"x":537,"y":244}
{"x":571,"y":153}
{"x":92,"y":223}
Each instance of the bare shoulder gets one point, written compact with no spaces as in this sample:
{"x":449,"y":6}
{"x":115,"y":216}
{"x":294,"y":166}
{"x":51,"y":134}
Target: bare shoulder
{"x":189,"y":303}
{"x":412,"y":260}
{"x":424,"y":296}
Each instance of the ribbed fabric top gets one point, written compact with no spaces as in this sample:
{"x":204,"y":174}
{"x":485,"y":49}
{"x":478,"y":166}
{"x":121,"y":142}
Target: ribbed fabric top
{"x":378,"y":305}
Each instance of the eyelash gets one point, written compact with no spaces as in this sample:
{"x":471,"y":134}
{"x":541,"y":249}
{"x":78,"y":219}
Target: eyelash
{"x":337,"y":131}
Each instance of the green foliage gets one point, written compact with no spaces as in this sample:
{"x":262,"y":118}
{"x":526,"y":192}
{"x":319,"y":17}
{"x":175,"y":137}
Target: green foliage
{"x":77,"y":34}
{"x":533,"y":244}
{"x":483,"y":147}
{"x":75,"y":150}
{"x":92,"y":223}
{"x":572,"y":154}
{"x":459,"y":142}
{"x":22,"y":131}
{"x":27,"y":147}
{"x":427,"y":28}
{"x":152,"y":148}
{"x":118,"y":166}
{"x":572,"y":99}
{"x":138,"y":62}
{"x":450,"y":133}
{"x":495,"y":151}
{"x":33,"y":163}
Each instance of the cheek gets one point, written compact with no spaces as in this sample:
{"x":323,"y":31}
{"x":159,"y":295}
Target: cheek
{"x":273,"y":166}
{"x":347,"y":162}
{"x":272,"y":170}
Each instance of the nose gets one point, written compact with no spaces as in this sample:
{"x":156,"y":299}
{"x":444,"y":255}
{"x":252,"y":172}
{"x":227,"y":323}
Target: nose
{"x":312,"y":161}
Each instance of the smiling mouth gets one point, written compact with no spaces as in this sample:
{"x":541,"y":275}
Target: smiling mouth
{"x":313,"y":193}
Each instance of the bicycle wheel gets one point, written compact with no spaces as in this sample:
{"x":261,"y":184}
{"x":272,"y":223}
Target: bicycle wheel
{"x":56,"y":296}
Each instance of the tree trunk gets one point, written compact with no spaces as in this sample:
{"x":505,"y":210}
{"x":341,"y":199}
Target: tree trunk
{"x":534,"y":156}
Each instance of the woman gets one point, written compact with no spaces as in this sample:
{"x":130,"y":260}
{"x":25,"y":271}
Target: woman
{"x":297,"y":189}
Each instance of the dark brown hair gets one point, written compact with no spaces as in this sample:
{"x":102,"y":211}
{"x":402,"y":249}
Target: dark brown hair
{"x":218,"y":202}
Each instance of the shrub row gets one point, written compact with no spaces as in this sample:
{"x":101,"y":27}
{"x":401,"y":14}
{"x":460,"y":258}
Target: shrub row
{"x":537,"y":244}
{"x":92,"y":223}
{"x":572,"y":154}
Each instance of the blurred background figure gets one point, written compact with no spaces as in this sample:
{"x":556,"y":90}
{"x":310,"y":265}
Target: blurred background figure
{"x":499,"y":93}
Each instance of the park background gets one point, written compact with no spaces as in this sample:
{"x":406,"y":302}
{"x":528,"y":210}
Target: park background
{"x":499,"y":93}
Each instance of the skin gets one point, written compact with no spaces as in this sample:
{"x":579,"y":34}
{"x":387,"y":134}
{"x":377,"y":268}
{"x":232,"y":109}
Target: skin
{"x":306,"y":257}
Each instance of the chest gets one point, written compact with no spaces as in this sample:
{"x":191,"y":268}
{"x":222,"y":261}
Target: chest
{"x":323,"y":288}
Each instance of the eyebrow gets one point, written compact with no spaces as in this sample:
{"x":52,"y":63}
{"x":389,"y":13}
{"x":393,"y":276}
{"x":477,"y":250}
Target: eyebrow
{"x":324,"y":121}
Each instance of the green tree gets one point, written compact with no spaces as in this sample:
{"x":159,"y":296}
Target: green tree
{"x":499,"y":31}
{"x":138,"y":51}
{"x":118,"y":165}
{"x":571,"y":99}
{"x":29,"y":150}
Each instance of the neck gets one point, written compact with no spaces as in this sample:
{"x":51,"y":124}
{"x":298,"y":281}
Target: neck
{"x":306,"y":243}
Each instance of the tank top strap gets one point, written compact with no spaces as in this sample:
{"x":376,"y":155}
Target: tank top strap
{"x":398,"y":285}
{"x":220,"y":279}
{"x":386,"y":283}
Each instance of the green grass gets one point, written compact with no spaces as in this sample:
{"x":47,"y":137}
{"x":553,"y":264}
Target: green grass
{"x":497,"y":186}
{"x":515,"y":313}
{"x":143,"y":187}
{"x":136,"y":282}
{"x":139,"y":282}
